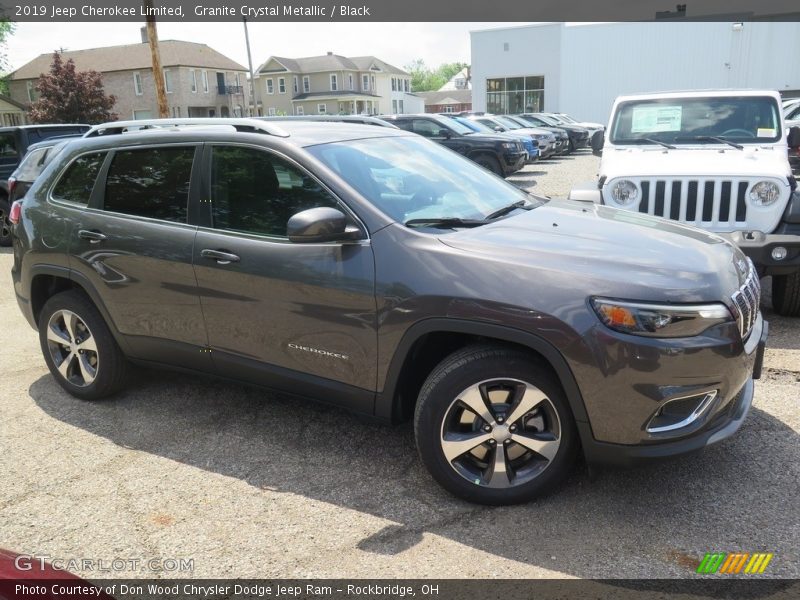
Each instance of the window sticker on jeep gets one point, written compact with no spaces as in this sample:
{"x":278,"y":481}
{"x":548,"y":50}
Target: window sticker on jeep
{"x":765,"y":132}
{"x":652,"y":119}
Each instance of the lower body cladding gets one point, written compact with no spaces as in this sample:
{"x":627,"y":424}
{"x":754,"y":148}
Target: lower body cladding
{"x":653,"y":398}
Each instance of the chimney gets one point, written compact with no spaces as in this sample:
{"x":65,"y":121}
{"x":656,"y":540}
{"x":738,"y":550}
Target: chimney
{"x":143,"y":31}
{"x":330,"y":53}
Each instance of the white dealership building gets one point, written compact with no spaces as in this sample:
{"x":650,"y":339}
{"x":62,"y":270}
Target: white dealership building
{"x":580,"y":68}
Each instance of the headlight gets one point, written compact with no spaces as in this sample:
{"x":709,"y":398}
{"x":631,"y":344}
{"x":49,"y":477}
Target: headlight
{"x":659,"y":320}
{"x":764,"y":193}
{"x":624,"y":192}
{"x":509,"y":145}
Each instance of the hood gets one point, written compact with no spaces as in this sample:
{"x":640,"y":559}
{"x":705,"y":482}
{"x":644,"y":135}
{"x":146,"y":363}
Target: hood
{"x":489,"y":137}
{"x":586,"y":125}
{"x":605,"y":250}
{"x":707,"y":160}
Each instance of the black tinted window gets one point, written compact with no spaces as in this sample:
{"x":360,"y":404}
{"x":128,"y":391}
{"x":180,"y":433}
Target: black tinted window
{"x":8,"y":149}
{"x":31,"y":165}
{"x":256,"y":192}
{"x":152,"y":183}
{"x":77,"y":182}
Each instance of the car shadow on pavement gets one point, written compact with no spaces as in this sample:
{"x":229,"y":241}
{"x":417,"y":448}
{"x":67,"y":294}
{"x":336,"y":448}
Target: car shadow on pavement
{"x":656,"y":521}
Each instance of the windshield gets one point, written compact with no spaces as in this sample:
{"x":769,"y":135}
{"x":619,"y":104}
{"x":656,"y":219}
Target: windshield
{"x":413,"y":178}
{"x":567,"y":119}
{"x":492,"y":124}
{"x":510,"y":123}
{"x":474,"y":125}
{"x":743,"y":119}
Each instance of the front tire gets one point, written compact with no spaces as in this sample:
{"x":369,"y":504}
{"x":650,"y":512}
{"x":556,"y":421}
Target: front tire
{"x":786,"y":294}
{"x":78,"y":347}
{"x":493,"y":426}
{"x":490,"y":163}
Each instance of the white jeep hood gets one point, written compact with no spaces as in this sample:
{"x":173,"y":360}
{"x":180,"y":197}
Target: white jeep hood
{"x":709,"y":160}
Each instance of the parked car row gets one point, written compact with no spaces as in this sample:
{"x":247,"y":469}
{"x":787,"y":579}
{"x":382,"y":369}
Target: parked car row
{"x":791,"y":113}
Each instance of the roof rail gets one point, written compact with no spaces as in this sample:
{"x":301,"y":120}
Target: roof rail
{"x":357,"y":119}
{"x":239,"y":124}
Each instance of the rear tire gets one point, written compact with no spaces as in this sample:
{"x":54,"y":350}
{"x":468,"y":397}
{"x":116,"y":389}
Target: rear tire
{"x":786,"y":294}
{"x":493,"y":426}
{"x":78,"y":347}
{"x":490,"y":163}
{"x":5,"y":233}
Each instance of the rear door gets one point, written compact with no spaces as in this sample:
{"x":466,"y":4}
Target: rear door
{"x":291,"y":315}
{"x":134,"y":245}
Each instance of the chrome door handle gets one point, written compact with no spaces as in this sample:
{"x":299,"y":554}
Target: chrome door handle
{"x":222,"y":257}
{"x":94,"y":237}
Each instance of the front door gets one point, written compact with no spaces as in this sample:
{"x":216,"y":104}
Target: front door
{"x":135,"y":247}
{"x":278,"y":312}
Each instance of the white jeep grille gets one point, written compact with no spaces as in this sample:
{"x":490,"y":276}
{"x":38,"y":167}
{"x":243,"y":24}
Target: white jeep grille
{"x":711,"y":203}
{"x":746,"y":301}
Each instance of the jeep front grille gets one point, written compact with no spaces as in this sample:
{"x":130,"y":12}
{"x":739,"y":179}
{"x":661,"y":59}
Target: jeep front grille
{"x":697,"y":201}
{"x":746,"y":301}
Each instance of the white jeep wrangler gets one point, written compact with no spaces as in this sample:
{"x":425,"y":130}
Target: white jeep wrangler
{"x":713,"y":159}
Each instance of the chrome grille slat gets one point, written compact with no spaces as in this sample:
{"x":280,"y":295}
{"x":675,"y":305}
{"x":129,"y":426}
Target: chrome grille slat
{"x":746,"y":301}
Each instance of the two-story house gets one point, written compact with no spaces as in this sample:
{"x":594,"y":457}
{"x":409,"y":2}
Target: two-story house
{"x":332,"y":84}
{"x":199,"y":81}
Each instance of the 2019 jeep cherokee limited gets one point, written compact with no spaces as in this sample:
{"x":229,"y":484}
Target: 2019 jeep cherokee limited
{"x":374,"y":269}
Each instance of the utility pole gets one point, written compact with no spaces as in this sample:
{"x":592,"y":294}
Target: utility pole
{"x":155,"y":55}
{"x":251,"y":91}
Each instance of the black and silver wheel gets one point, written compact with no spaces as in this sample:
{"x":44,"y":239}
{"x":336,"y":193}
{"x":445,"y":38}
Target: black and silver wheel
{"x":5,"y":224}
{"x":78,"y":347}
{"x":493,"y":426}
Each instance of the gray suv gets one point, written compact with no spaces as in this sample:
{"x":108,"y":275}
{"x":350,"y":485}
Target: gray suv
{"x":374,"y":269}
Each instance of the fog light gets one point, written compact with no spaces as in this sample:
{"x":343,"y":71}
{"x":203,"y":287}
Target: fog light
{"x":680,"y":412}
{"x":779,"y":253}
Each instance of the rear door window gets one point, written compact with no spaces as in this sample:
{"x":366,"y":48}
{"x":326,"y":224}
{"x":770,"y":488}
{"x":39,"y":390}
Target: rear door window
{"x":150,"y":182}
{"x":77,"y":182}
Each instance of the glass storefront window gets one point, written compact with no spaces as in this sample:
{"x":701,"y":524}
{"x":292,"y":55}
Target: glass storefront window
{"x":512,"y":95}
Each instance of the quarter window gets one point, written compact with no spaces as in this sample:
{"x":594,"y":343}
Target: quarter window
{"x":253,"y":191}
{"x":151,"y":183}
{"x":78,"y":181}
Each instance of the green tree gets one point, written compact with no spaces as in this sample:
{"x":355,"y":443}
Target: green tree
{"x":67,"y":95}
{"x":426,"y":79}
{"x":6,"y":29}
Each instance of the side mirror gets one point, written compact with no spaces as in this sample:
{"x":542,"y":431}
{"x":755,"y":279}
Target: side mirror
{"x":498,"y":129}
{"x":321,"y":224}
{"x":446,"y":133}
{"x":598,"y":141}
{"x":794,"y":137}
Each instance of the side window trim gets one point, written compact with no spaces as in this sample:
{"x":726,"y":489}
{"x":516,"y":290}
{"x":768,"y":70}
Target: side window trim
{"x":98,"y":195}
{"x":209,"y":226}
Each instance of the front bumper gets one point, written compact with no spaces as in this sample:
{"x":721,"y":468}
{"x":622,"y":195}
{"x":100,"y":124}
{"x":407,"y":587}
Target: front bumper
{"x":720,"y":422}
{"x":758,"y":246}
{"x":513,"y":162}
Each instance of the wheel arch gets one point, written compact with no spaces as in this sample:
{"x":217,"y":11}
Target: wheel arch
{"x":48,"y":280}
{"x":392,"y":403}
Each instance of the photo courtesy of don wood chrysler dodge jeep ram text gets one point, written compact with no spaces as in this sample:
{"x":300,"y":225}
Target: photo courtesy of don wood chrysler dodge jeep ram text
{"x":374,"y":269}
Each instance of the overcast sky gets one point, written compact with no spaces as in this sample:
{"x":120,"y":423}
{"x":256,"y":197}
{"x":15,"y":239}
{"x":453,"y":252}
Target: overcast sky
{"x":396,"y":43}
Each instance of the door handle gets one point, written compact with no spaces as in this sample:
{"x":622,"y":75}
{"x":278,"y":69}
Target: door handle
{"x":94,"y":237}
{"x":222,"y":257}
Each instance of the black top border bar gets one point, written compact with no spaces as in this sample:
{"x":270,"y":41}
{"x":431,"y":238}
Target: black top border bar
{"x":404,"y":11}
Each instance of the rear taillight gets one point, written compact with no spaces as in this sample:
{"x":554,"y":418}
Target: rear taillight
{"x":12,"y":183}
{"x":16,"y":212}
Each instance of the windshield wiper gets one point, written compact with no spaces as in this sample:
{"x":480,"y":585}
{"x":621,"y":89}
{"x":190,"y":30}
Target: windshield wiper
{"x":445,"y":222}
{"x":645,"y":139}
{"x":507,"y":209}
{"x":710,"y":138}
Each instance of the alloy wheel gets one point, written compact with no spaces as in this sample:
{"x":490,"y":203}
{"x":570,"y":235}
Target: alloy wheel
{"x":72,"y":348}
{"x":500,"y":433}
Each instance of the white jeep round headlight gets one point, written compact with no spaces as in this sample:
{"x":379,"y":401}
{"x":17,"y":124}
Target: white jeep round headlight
{"x":764,"y":193}
{"x":624,"y":192}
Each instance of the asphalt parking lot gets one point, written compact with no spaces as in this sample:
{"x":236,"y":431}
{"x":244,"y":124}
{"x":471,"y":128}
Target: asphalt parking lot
{"x":251,"y":484}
